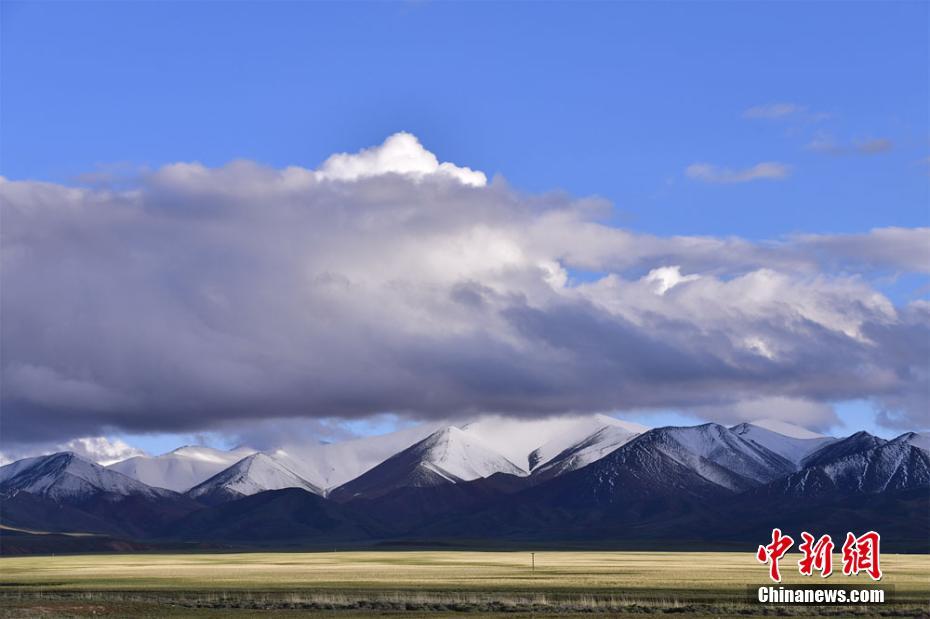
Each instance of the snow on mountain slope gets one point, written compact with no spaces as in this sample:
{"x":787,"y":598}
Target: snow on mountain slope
{"x":854,"y":443}
{"x":590,"y":449}
{"x":182,"y":468}
{"x":251,"y":475}
{"x":581,"y":436}
{"x":785,"y":429}
{"x":633,"y":477}
{"x":520,"y":441}
{"x":66,"y":475}
{"x":719,"y":455}
{"x":462,"y":456}
{"x":917,"y":439}
{"x":790,"y":447}
{"x":529,"y":443}
{"x":328,"y":465}
{"x":891,"y":465}
{"x":449,"y":455}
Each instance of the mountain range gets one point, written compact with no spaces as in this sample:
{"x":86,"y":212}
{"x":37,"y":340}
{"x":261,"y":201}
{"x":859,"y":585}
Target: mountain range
{"x":594,"y":481}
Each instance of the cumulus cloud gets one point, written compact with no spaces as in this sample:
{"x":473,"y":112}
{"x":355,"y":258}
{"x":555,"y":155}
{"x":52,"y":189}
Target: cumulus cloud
{"x":709,"y":173}
{"x":401,"y":153}
{"x":209,"y":298}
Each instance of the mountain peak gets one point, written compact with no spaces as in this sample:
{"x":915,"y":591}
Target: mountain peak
{"x":460,"y":455}
{"x":445,"y":434}
{"x":68,"y":474}
{"x":784,"y":428}
{"x":67,"y":457}
{"x":854,"y":443}
{"x":718,"y":454}
{"x":255,"y":473}
{"x":789,"y":447}
{"x":448,"y":455}
{"x":589,"y":449}
{"x":629,"y":426}
{"x":917,"y":439}
{"x":180,"y":469}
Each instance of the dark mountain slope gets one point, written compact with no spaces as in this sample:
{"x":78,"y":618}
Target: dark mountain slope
{"x":288,"y":516}
{"x":618,"y":495}
{"x":64,"y":492}
{"x":448,"y":456}
{"x":854,"y":443}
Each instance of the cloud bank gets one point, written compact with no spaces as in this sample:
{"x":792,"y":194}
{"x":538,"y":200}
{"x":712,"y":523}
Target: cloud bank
{"x":387,"y":282}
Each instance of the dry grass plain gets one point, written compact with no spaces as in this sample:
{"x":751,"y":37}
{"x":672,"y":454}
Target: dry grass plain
{"x":433,"y":583}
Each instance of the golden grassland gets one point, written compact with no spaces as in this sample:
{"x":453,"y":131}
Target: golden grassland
{"x":656,"y":579}
{"x":435,"y":570}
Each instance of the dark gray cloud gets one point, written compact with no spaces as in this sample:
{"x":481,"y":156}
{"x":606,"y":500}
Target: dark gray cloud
{"x":199,"y":299}
{"x":904,"y":250}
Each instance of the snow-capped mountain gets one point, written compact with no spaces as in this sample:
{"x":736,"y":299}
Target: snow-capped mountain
{"x":424,"y":456}
{"x":524,"y":442}
{"x":328,"y":465}
{"x":181,"y":469}
{"x":530,"y":443}
{"x":719,"y":455}
{"x":664,"y":462}
{"x":893,"y":465}
{"x":66,"y":475}
{"x":917,"y":439}
{"x":595,"y":436}
{"x":858,"y":464}
{"x":251,"y":475}
{"x":449,"y":455}
{"x":647,"y":471}
{"x":852,"y":444}
{"x":460,"y":453}
{"x":789,"y":441}
{"x":589,"y":449}
{"x":611,"y":480}
{"x":65,"y":492}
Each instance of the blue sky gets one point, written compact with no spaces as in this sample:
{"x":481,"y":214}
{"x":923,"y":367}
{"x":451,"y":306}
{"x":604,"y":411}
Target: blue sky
{"x":617,"y":100}
{"x":613,"y":99}
{"x":854,"y":416}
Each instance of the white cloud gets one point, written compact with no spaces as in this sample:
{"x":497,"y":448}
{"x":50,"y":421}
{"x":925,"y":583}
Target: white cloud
{"x":666,"y":278}
{"x":100,"y":449}
{"x":400,"y":153}
{"x":805,"y":413}
{"x":709,"y":173}
{"x":205,"y":298}
{"x":773,"y":110}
